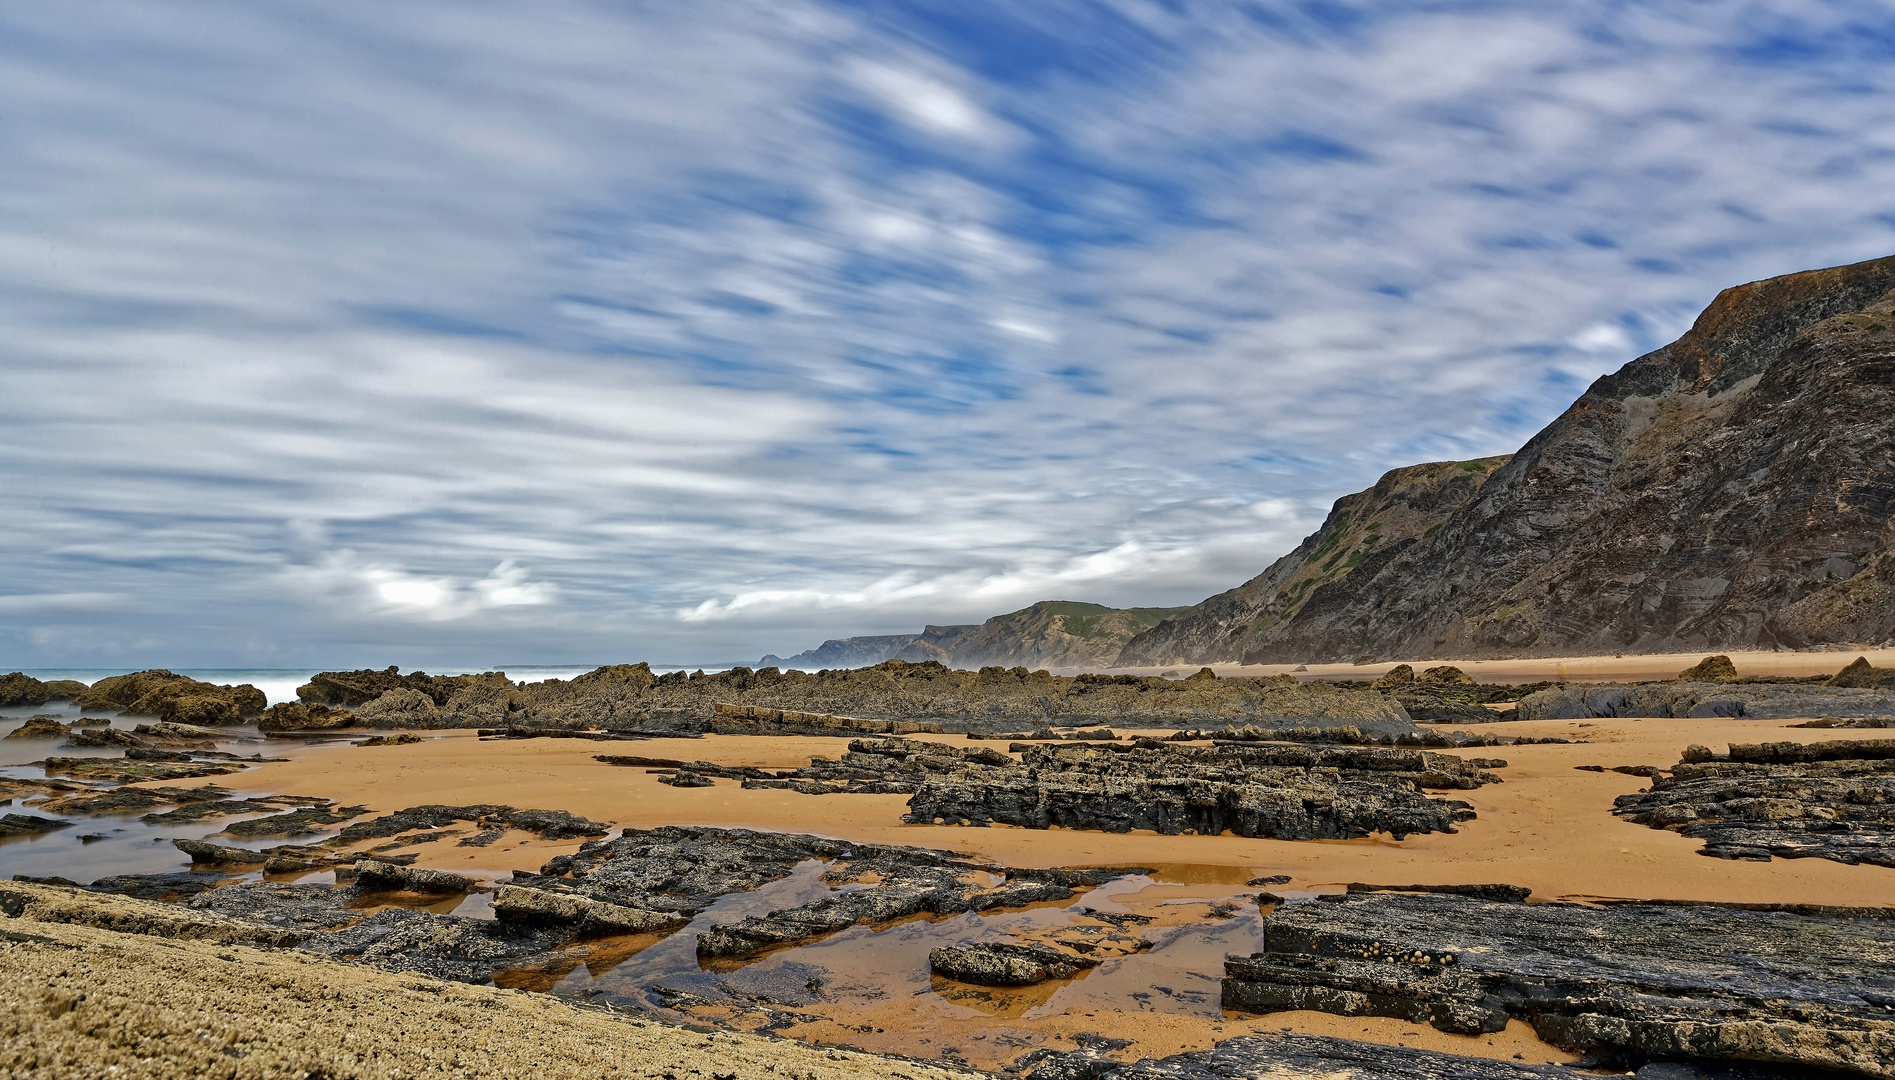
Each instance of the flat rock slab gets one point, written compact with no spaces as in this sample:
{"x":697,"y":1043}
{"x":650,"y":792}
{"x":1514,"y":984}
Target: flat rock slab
{"x":993,"y":963}
{"x":28,"y":824}
{"x":1282,"y":792}
{"x":1752,"y":701}
{"x":130,"y":771}
{"x":1627,"y":983}
{"x":1833,"y":800}
{"x":547,"y":824}
{"x":683,"y":870}
{"x":1298,"y":1057}
{"x":375,"y":874}
{"x":1292,"y":1056}
{"x":583,"y":915}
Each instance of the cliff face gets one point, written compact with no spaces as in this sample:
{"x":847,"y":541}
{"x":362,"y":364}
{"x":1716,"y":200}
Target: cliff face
{"x":1051,"y":633}
{"x":1362,"y":533}
{"x":1732,"y":488}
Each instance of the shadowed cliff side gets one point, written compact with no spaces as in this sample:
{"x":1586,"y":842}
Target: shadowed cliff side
{"x":1730,"y":489}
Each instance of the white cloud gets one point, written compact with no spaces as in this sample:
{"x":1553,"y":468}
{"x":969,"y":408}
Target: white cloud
{"x":381,"y":590}
{"x":1603,"y":338}
{"x":521,"y":331}
{"x":29,"y":603}
{"x":927,"y":103}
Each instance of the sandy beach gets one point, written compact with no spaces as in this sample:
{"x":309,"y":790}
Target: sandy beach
{"x":1548,"y":826}
{"x":1644,"y":667}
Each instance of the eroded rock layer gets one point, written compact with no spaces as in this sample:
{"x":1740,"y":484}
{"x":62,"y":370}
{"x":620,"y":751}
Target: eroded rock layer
{"x":1832,"y":800}
{"x":1754,"y":701}
{"x":1283,"y":792}
{"x":1627,"y":984}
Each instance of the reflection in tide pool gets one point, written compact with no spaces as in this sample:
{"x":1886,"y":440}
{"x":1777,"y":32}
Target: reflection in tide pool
{"x":873,"y":985}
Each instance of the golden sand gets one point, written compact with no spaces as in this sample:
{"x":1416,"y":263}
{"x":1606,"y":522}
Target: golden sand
{"x":1548,"y":827}
{"x":1632,"y":668}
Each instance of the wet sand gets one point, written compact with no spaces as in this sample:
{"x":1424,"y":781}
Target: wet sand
{"x":1629,"y":668}
{"x":1548,"y":827}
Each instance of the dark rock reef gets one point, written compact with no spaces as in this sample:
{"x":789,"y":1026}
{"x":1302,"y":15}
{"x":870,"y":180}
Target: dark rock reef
{"x":40,"y":727}
{"x":1040,"y":956}
{"x":1001,"y":963}
{"x":173,"y":698}
{"x":1746,"y":700}
{"x":1283,"y":792}
{"x":1827,"y":800}
{"x":298,"y":716}
{"x":348,"y":689}
{"x":681,"y":871}
{"x":1626,"y":984}
{"x":879,"y":767}
{"x":630,"y":698}
{"x":1292,"y":1056}
{"x":1730,"y":489}
{"x":18,"y":688}
{"x":905,"y":882}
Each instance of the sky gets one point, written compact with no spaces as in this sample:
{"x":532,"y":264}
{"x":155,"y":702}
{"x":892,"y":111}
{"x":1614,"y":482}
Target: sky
{"x":478,"y":332}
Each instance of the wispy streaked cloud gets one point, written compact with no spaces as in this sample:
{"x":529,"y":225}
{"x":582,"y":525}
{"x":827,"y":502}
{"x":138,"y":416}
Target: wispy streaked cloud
{"x":438,"y":333}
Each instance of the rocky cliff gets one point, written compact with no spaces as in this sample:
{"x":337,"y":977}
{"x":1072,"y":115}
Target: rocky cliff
{"x":1730,"y":489}
{"x":1051,"y":633}
{"x":1362,"y":530}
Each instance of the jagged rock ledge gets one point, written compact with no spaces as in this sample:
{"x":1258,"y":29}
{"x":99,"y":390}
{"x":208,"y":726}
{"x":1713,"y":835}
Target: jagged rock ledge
{"x":1625,"y":984}
{"x":630,"y":699}
{"x":1828,"y":800}
{"x":1282,"y":792}
{"x":1744,"y":700}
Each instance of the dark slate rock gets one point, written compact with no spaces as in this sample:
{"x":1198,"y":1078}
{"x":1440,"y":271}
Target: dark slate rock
{"x":1626,"y":984}
{"x":1285,"y":792}
{"x":1831,"y":800}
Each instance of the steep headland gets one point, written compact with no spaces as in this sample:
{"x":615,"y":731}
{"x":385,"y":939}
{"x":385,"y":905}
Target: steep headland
{"x":1730,"y":489}
{"x":1050,"y":633}
{"x":1360,"y":534}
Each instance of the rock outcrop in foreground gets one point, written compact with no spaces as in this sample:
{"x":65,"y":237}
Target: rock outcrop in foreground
{"x":1626,"y":984}
{"x":1282,"y":792}
{"x":1289,"y":1056}
{"x":1730,"y":489}
{"x":1827,"y":800}
{"x":105,"y":986}
{"x":630,"y":698}
{"x":172,"y":698}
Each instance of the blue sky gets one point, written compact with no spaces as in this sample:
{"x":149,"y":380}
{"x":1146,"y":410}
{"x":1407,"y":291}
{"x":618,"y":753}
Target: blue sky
{"x":351,"y":333}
